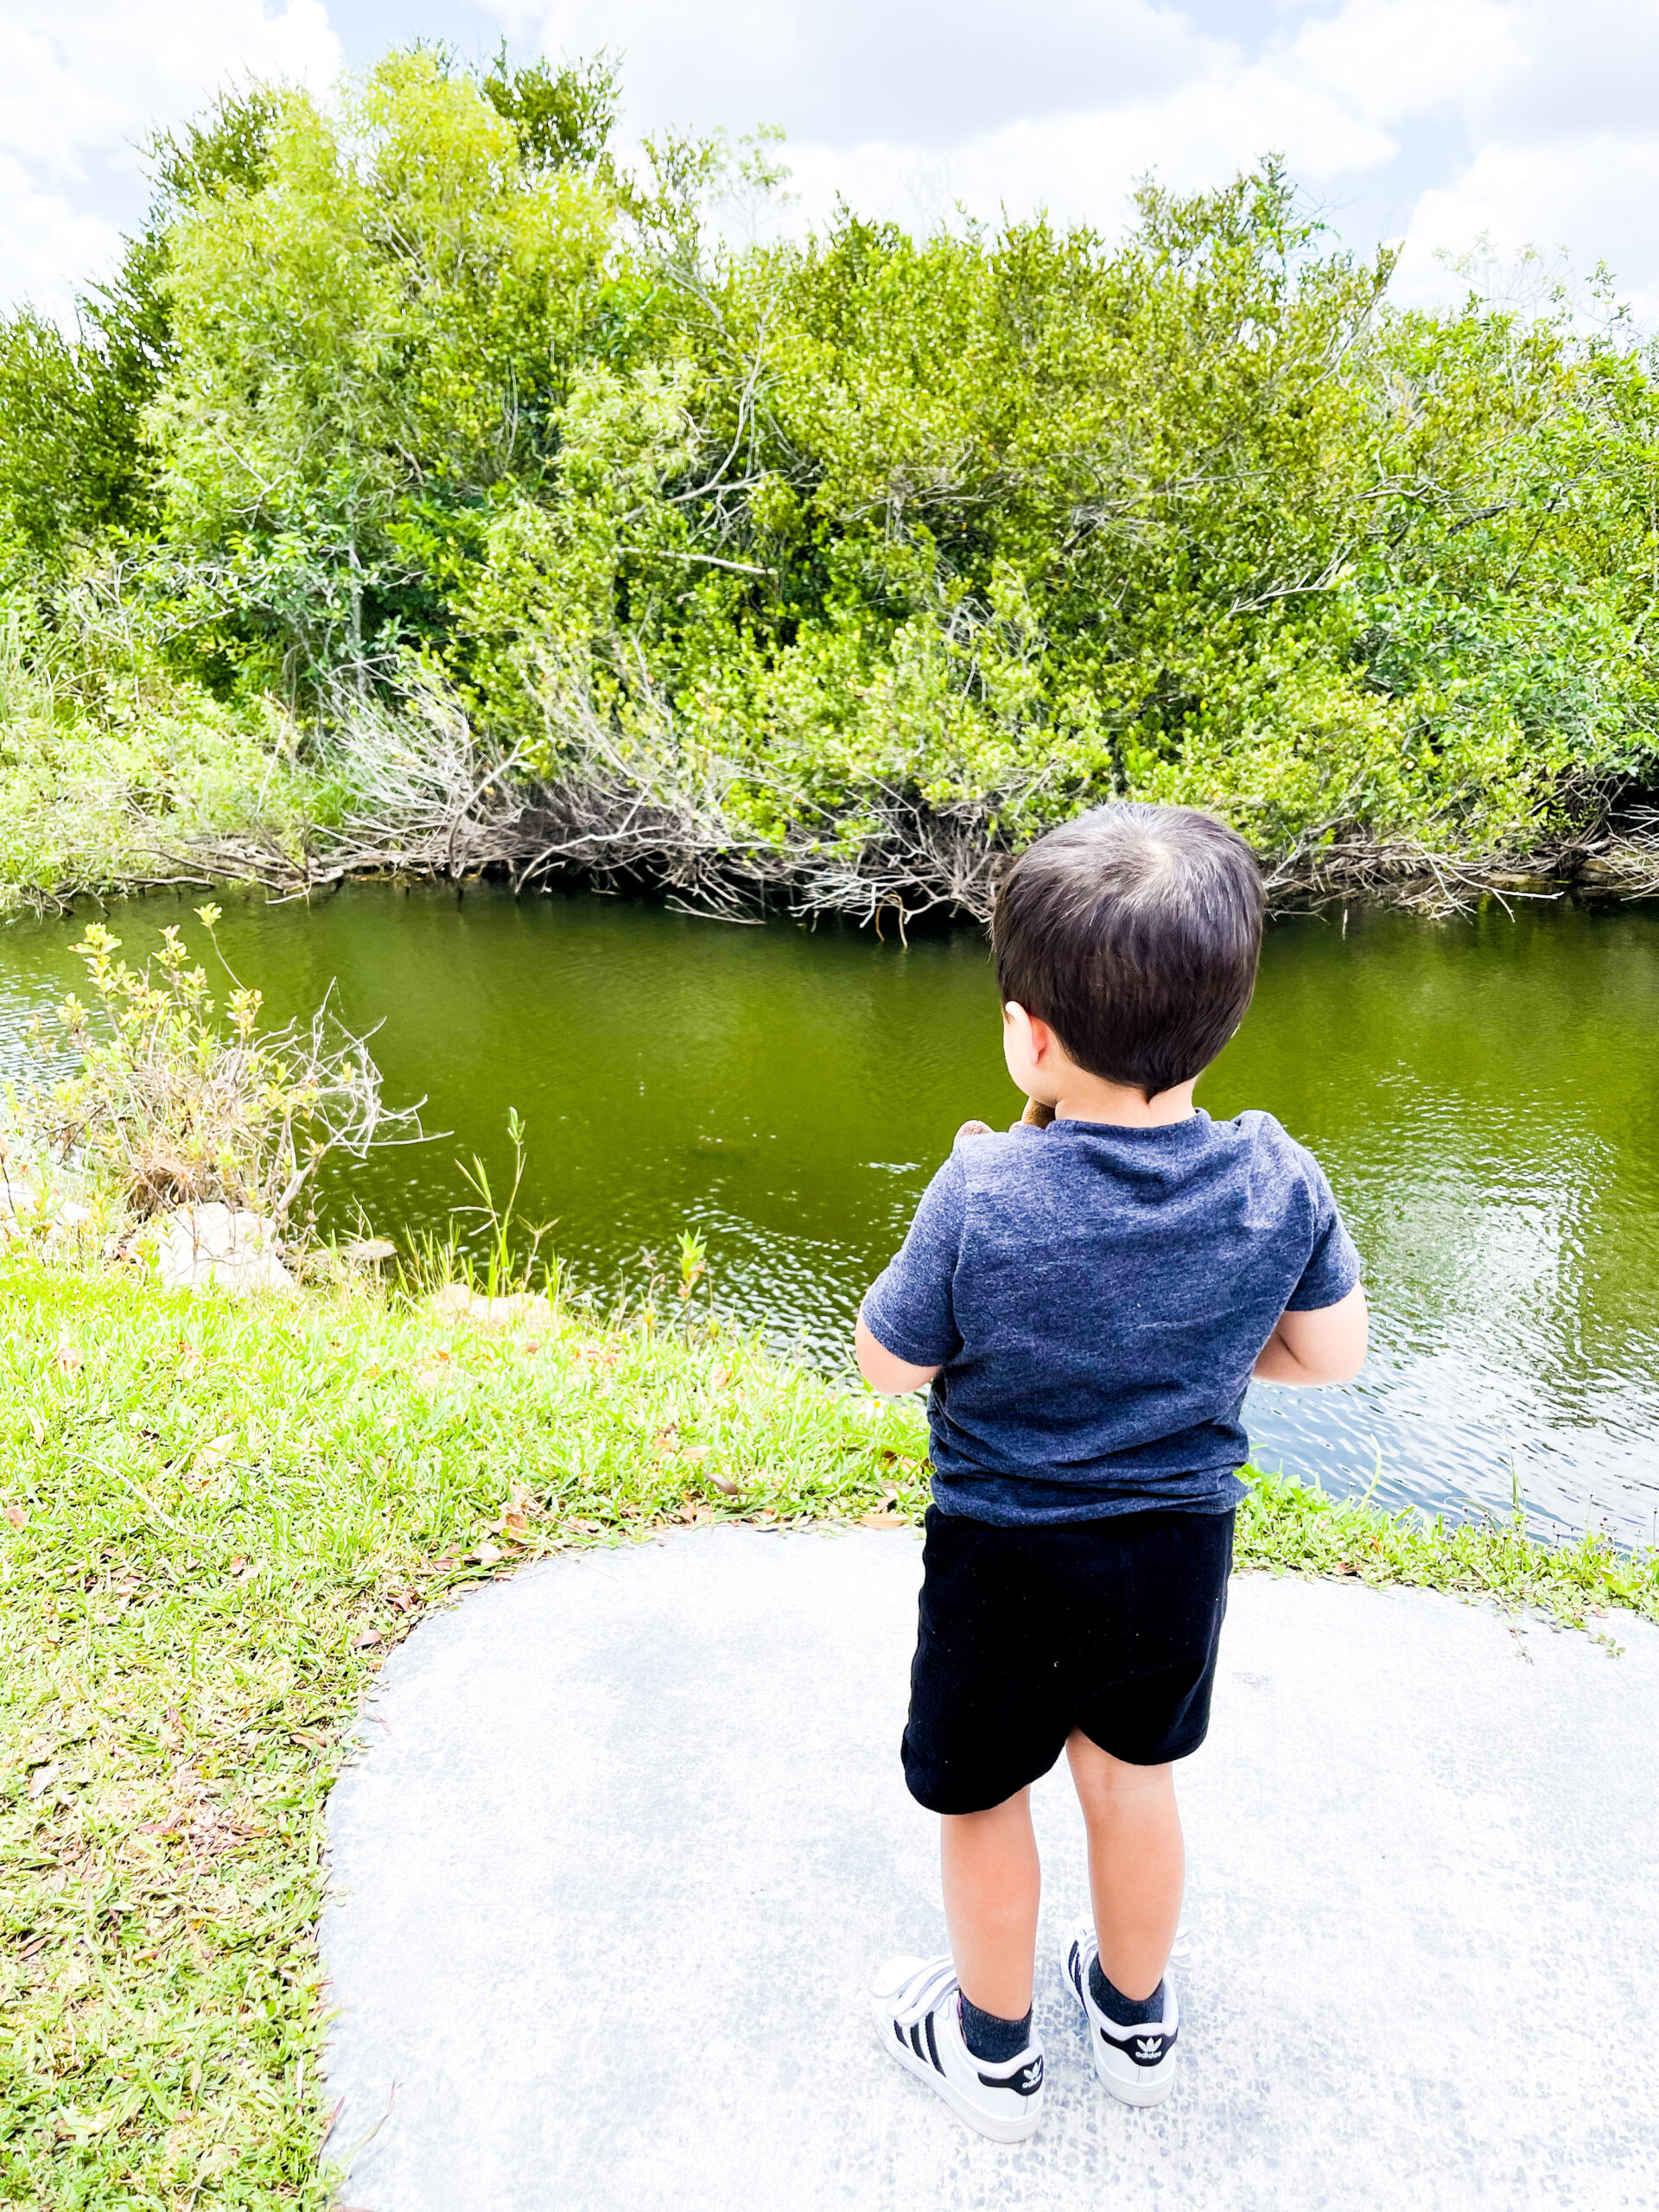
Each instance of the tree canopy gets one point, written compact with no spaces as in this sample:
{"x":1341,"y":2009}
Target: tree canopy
{"x":861,"y":533}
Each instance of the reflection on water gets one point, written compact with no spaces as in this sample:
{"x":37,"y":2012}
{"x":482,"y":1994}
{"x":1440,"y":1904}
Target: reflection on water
{"x":1482,"y":1094}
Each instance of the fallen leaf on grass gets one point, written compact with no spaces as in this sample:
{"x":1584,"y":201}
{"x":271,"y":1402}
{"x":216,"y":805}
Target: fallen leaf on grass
{"x":729,"y":1490}
{"x":17,"y":1515}
{"x":42,"y":1779}
{"x":364,"y":1637}
{"x":71,"y":1358}
{"x":71,"y":2126}
{"x":487,"y":1554}
{"x":883,"y":1520}
{"x":1346,"y":1566}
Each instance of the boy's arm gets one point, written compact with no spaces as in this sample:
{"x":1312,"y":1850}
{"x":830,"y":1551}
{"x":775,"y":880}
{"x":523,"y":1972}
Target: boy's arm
{"x":886,"y":1375}
{"x":1327,"y":1345}
{"x":910,"y":1301}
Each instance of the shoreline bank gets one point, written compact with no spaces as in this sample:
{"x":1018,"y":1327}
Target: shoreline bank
{"x":219,"y":1515}
{"x":532,"y":841}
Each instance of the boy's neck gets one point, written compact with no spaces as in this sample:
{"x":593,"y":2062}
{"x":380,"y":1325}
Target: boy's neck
{"x":1084,"y":1098}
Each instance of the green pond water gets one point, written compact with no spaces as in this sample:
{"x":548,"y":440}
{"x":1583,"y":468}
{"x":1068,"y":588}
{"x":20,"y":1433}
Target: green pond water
{"x":1482,"y":1093}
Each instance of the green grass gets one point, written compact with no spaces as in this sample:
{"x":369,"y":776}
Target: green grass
{"x":218,"y":1517}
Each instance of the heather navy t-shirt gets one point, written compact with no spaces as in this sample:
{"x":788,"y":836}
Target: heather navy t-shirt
{"x":1095,"y":1298}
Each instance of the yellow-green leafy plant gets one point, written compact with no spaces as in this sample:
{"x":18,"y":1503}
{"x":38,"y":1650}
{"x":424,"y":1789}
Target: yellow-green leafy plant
{"x":155,"y":1087}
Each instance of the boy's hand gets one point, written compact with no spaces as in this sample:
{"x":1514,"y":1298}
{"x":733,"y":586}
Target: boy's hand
{"x":1036,"y":1116}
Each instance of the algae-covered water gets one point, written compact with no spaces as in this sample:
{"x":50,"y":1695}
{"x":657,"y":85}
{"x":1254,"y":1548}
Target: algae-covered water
{"x":1481,"y":1091}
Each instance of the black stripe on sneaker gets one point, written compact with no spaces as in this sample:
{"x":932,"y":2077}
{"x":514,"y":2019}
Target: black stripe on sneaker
{"x":932,"y":2045}
{"x":1144,"y":2048}
{"x":916,"y":2039}
{"x":1025,"y":2082}
{"x":899,"y":2031}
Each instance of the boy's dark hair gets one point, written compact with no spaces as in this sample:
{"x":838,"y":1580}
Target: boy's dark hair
{"x":1134,"y":932}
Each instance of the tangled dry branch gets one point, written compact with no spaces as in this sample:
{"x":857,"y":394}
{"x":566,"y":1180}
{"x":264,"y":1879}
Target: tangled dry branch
{"x":433,"y":795}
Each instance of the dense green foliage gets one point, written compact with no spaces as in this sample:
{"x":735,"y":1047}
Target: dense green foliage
{"x":855,"y":547}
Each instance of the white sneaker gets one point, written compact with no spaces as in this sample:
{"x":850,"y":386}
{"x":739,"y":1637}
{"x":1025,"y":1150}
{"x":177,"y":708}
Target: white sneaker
{"x":914,"y":2004}
{"x":1136,"y":2064}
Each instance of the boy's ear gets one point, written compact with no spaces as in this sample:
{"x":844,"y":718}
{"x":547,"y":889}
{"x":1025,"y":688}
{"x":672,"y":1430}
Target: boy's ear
{"x":1022,"y":1034}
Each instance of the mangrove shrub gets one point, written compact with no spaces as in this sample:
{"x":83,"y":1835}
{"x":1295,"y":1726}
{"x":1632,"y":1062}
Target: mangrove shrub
{"x":837,"y":550}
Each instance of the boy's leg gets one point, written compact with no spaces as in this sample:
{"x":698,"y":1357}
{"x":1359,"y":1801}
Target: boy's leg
{"x":993,"y":1885}
{"x":963,"y":2024}
{"x":1137,"y":1863}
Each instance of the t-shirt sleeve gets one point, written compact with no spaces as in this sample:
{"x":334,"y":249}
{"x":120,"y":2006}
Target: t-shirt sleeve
{"x":907,"y":1309}
{"x":1333,"y":1266}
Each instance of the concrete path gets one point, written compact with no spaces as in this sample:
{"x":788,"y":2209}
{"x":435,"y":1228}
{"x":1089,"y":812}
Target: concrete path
{"x":629,"y":1833}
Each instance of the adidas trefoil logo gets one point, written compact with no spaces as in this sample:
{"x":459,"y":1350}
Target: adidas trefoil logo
{"x":1025,"y":2083}
{"x":1149,"y":2050}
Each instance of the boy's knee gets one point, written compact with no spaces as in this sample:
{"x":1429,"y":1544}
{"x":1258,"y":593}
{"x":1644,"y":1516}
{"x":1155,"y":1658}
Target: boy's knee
{"x":1098,"y":1774}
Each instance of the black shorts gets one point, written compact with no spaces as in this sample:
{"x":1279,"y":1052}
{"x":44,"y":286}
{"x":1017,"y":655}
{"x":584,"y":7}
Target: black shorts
{"x":1110,"y":1626}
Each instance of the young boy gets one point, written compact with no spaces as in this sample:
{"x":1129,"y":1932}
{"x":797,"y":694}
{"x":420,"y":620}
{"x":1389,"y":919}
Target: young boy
{"x":1089,"y":1301}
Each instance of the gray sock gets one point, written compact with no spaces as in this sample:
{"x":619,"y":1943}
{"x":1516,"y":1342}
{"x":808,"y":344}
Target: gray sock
{"x":1123,"y":2012}
{"x":989,"y":2035}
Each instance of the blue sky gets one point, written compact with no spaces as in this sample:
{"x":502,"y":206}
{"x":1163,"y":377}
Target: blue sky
{"x":1437,"y":123}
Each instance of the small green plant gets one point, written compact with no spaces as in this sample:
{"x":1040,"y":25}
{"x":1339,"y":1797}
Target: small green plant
{"x":512,"y":1263}
{"x":694,"y":1263}
{"x":154,"y":1089}
{"x":507,"y":1267}
{"x":678,"y":1298}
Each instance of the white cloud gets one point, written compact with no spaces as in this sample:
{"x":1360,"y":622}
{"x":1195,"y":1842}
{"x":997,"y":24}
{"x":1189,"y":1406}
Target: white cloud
{"x":1565,"y":155}
{"x":1432,"y":120}
{"x":1331,"y":94}
{"x":1586,"y":195}
{"x":46,"y":235}
{"x":926,"y":72}
{"x":82,"y":80}
{"x":1082,"y":166}
{"x":1436,"y":119}
{"x":1388,"y":60}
